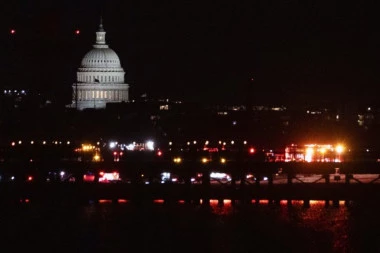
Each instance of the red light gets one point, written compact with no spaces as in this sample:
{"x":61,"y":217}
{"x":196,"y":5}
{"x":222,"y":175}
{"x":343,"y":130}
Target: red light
{"x":77,"y":32}
{"x":101,"y":173}
{"x":251,"y":150}
{"x":88,"y":178}
{"x":13,"y":31}
{"x":30,"y":178}
{"x":115,"y":153}
{"x":159,"y":153}
{"x":121,"y":153}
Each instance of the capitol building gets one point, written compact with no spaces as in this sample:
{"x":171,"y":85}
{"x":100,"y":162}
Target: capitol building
{"x":100,"y":77}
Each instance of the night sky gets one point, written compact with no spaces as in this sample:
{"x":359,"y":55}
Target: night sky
{"x":319,"y":52}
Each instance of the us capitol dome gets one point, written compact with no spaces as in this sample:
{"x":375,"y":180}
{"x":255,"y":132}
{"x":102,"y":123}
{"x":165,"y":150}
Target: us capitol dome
{"x":100,"y":77}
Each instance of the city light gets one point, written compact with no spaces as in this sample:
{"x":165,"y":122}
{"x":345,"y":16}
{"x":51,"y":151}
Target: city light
{"x":112,"y":144}
{"x":96,"y":158}
{"x":177,"y":159}
{"x":150,"y":145}
{"x":339,"y":149}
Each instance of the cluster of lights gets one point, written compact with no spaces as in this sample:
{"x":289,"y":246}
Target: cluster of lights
{"x":220,"y":176}
{"x":177,"y":160}
{"x":117,"y":155}
{"x":148,"y":145}
{"x":87,"y":147}
{"x":105,"y":177}
{"x":10,"y":92}
{"x":316,"y":152}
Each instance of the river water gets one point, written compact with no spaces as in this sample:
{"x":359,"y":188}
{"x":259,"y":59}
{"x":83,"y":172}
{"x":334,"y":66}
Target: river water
{"x":179,"y":227}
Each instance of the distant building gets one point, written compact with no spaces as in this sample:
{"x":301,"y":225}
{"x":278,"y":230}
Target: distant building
{"x":100,"y":77}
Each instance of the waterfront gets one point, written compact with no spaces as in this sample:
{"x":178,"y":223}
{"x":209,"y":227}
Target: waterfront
{"x":179,"y":227}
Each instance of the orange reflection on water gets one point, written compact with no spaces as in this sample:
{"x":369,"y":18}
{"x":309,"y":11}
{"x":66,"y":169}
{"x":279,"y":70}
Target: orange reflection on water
{"x":158,"y":201}
{"x":225,"y":202}
{"x":213,"y":202}
{"x":221,"y":207}
{"x":103,"y":201}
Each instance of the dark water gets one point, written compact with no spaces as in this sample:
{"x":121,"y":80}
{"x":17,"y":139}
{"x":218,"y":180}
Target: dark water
{"x":125,"y":227}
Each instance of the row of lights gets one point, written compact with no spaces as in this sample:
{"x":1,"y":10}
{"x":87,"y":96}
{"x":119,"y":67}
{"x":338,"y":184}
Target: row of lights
{"x":13,"y":31}
{"x":13,"y":143}
{"x":208,"y":142}
{"x":203,"y":160}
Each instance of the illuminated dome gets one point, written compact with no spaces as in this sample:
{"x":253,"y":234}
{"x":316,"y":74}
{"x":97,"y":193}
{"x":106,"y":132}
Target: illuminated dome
{"x":101,"y":58}
{"x":100,"y":77}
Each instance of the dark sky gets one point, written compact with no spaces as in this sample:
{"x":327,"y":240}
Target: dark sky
{"x":297,"y":51}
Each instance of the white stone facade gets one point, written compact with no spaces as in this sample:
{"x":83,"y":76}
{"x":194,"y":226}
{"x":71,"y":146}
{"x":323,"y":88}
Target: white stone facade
{"x":100,"y":78}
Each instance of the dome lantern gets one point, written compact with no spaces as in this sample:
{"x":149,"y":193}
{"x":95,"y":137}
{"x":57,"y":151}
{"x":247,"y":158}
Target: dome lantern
{"x":101,"y":36}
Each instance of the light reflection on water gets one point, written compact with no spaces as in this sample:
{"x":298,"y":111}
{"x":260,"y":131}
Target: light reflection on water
{"x":220,"y":227}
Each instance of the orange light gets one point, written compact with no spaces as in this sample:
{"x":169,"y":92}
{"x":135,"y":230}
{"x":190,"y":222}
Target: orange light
{"x":177,"y":160}
{"x":101,"y":173}
{"x":96,"y":158}
{"x":339,"y":149}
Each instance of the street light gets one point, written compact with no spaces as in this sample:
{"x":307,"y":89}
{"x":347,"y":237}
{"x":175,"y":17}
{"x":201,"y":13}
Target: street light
{"x":339,"y":150}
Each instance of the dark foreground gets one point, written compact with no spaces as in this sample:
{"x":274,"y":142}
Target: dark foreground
{"x":158,"y":227}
